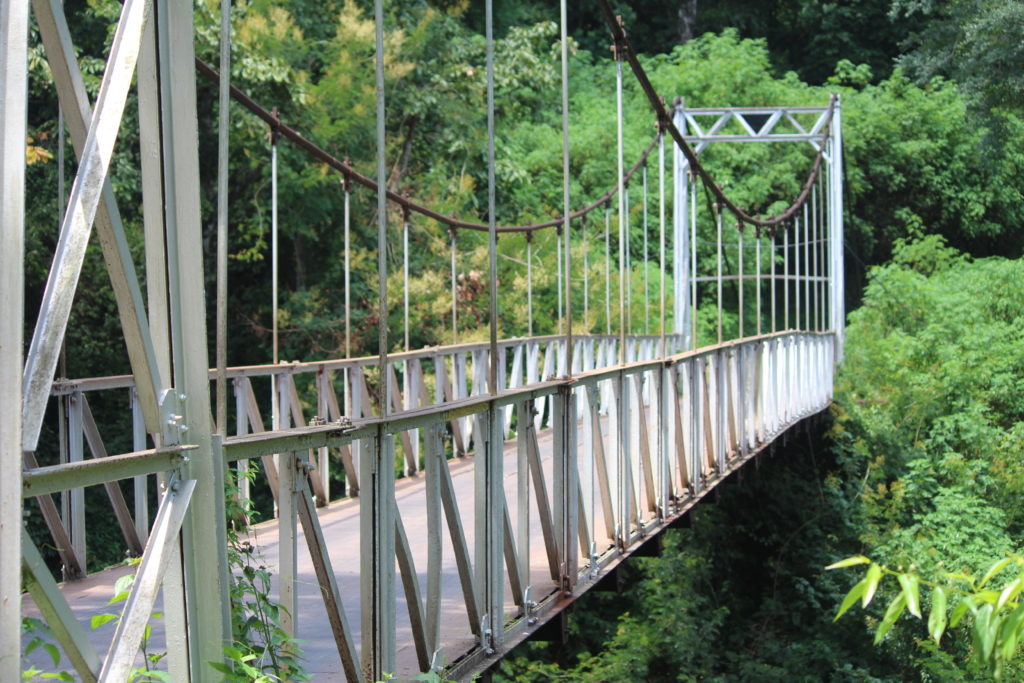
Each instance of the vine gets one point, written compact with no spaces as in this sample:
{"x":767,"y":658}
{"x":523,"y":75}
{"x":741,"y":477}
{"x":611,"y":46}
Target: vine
{"x":260,"y":650}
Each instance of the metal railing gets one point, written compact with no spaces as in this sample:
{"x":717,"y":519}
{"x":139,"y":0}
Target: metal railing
{"x":320,"y":392}
{"x":634,"y":446}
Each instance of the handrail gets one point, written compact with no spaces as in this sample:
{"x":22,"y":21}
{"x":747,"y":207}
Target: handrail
{"x":305,"y":437}
{"x":66,"y":386}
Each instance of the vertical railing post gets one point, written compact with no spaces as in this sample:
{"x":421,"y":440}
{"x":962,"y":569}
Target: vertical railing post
{"x":721,"y":399}
{"x":623,"y":464}
{"x":377,"y":459}
{"x":433,"y":462}
{"x":696,"y":400}
{"x":566,"y":484}
{"x":524,"y":420}
{"x":204,"y":530}
{"x":140,"y":482}
{"x":14,"y":21}
{"x":76,"y":453}
{"x":323,"y":385}
{"x":377,"y":553}
{"x":489,"y":491}
{"x":665,"y":430}
{"x":241,"y":429}
{"x":287,"y":529}
{"x":159,"y":289}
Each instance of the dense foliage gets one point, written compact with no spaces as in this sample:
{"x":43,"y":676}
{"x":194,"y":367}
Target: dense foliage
{"x":921,"y":469}
{"x":923,"y":464}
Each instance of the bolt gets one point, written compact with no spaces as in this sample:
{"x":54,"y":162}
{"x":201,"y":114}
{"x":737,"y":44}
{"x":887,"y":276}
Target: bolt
{"x":182,"y":397}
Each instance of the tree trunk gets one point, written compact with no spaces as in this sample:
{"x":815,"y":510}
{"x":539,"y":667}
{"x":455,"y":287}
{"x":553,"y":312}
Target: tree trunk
{"x":687,"y":20}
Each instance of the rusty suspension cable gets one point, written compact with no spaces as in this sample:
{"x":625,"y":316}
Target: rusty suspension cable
{"x":322,"y":155}
{"x":621,"y":44}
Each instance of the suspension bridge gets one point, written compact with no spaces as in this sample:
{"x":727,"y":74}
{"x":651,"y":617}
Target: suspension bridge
{"x":528,"y":468}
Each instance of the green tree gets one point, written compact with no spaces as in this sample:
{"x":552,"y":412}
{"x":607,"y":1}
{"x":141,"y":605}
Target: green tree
{"x":978,"y":43}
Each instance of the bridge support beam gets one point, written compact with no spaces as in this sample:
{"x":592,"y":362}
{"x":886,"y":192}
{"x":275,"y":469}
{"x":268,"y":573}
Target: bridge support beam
{"x":566,"y":485}
{"x":681,"y":239}
{"x":489,"y":539}
{"x":204,"y":530}
{"x":377,"y":552}
{"x":836,"y":271}
{"x":14,"y":86}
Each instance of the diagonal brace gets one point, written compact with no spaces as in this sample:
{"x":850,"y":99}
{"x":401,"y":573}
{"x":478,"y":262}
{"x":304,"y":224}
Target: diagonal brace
{"x":86,"y":194}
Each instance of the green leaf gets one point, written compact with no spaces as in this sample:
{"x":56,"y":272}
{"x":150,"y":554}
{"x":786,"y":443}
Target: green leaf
{"x":124,"y":584}
{"x":32,"y":645}
{"x":872,"y":579}
{"x":54,"y":653}
{"x":855,"y":593}
{"x":1010,"y":592}
{"x":937,"y":615}
{"x":427,"y":677}
{"x":119,"y":597}
{"x":158,"y":675}
{"x":893,"y":613}
{"x":101,"y":619}
{"x":909,"y":583}
{"x":989,"y":596}
{"x":220,"y":668}
{"x":959,"y":611}
{"x":995,"y":569}
{"x":849,"y":562}
{"x":983,"y":629}
{"x":233,"y":653}
{"x":1009,"y":634}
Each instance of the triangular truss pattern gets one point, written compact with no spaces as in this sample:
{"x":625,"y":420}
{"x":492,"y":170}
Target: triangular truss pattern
{"x":169,"y":404}
{"x":753,"y":124}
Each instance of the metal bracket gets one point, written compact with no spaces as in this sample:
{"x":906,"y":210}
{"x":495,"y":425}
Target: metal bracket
{"x":172,"y":420}
{"x":437,"y":661}
{"x":486,"y":635}
{"x":528,"y":608}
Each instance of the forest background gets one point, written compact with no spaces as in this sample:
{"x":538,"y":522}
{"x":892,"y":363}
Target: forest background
{"x":923,"y":461}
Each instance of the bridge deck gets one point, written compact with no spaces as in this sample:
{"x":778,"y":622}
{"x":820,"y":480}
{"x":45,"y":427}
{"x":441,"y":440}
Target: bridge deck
{"x":340,"y":523}
{"x":721,"y":406}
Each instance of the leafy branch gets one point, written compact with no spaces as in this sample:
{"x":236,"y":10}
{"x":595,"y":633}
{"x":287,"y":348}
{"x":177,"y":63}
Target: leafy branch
{"x":997,"y":613}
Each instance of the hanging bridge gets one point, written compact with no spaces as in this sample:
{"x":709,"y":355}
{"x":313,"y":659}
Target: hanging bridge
{"x":486,"y":484}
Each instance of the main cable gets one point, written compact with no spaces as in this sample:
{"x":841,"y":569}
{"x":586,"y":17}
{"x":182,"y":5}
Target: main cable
{"x":623,"y":47}
{"x":287,"y":132}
